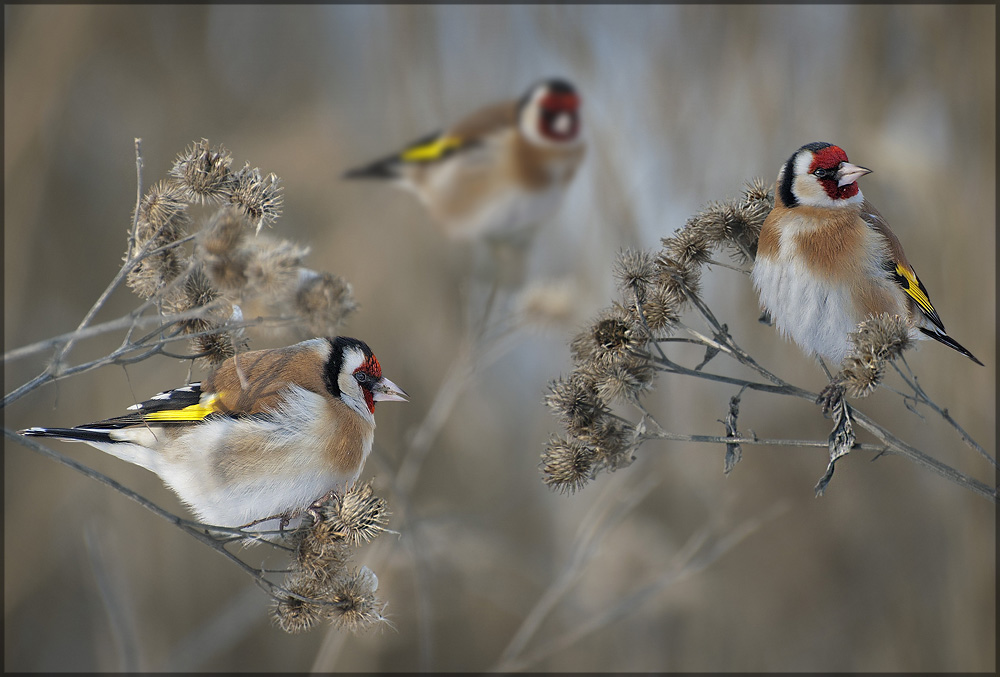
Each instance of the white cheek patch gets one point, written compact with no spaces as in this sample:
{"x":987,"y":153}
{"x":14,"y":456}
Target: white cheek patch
{"x":563,"y":124}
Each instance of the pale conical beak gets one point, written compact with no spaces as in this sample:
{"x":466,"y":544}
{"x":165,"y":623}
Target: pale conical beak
{"x":848,"y":174}
{"x":386,"y":391}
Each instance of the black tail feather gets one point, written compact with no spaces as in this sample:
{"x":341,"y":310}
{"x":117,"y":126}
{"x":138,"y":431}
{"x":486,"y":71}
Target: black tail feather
{"x":72,"y":434}
{"x":383,"y":169}
{"x":951,"y":343}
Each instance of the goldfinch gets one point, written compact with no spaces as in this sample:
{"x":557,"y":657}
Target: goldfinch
{"x":264,"y":436}
{"x":498,"y":172}
{"x":826,"y":259}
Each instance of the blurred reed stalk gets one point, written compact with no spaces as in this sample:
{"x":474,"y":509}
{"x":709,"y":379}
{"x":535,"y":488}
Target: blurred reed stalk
{"x":617,"y":357}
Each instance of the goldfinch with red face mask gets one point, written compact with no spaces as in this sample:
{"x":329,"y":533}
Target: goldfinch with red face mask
{"x":826,"y":259}
{"x":265,"y":435}
{"x":498,"y":172}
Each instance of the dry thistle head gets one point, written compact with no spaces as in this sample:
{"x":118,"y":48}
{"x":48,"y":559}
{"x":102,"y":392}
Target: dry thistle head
{"x":272,"y":267}
{"x":878,"y":340}
{"x":353,"y":596}
{"x":662,"y":310}
{"x":319,"y":553}
{"x":294,"y":615}
{"x":677,"y":279}
{"x":221,"y":249}
{"x":324,"y":300}
{"x":622,"y":381}
{"x":635,"y":271}
{"x":196,"y":292}
{"x":357,"y":516}
{"x":567,"y":465}
{"x":612,"y":337}
{"x":688,"y":246}
{"x":162,"y":217}
{"x":576,"y":402}
{"x":202,"y":173}
{"x":257,"y":196}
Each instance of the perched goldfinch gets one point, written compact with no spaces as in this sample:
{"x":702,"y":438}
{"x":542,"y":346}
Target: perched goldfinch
{"x":498,"y":172}
{"x":265,"y":435}
{"x":826,"y":259}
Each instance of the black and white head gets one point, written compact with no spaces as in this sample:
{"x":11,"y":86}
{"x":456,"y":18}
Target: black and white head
{"x":549,"y":114}
{"x":354,"y":375}
{"x":819,"y":175}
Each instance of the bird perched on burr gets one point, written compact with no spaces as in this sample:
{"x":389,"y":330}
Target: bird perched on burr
{"x":498,"y":172}
{"x":826,"y":259}
{"x":262,"y":437}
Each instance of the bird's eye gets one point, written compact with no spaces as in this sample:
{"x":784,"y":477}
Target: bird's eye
{"x":822,"y":173}
{"x":360,"y":377}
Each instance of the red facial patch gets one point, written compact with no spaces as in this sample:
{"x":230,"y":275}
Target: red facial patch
{"x":830,"y":158}
{"x":560,"y":102}
{"x":373,"y":369}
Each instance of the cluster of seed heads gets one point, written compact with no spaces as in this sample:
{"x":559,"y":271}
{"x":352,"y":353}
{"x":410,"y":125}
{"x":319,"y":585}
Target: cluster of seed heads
{"x":230,"y":264}
{"x":615,"y":357}
{"x":322,"y":585}
{"x":877,"y":341}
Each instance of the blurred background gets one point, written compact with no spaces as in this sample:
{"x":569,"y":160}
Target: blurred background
{"x":893,"y":569}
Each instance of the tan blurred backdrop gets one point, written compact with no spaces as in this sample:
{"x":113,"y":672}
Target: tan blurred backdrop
{"x":893,"y":569}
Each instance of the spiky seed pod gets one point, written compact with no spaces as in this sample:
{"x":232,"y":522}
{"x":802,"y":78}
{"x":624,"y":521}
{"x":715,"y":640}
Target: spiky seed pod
{"x":162,"y":218}
{"x":203,"y":173}
{"x":877,"y":340}
{"x":635,"y":271}
{"x":257,"y":196}
{"x":688,"y":246}
{"x":357,"y":516}
{"x":677,"y":279}
{"x":272,"y":268}
{"x":624,"y":380}
{"x":355,"y":605}
{"x":662,"y":311}
{"x":224,"y":232}
{"x":155,"y":272}
{"x":567,"y":465}
{"x":324,"y":300}
{"x":294,"y":615}
{"x":613,"y":336}
{"x":319,"y":552}
{"x":576,"y":402}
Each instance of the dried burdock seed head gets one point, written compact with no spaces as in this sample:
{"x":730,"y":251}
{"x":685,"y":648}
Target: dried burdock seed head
{"x":735,"y":223}
{"x":612,"y":337}
{"x":213,"y":348}
{"x":202,"y":173}
{"x":688,"y":246}
{"x":154,"y":272}
{"x":319,"y":553}
{"x":357,"y":516}
{"x":677,"y":279}
{"x":878,"y":340}
{"x":195,"y":292}
{"x":623,"y":381}
{"x":884,"y":335}
{"x":257,"y":196}
{"x":162,"y":217}
{"x":567,"y":465}
{"x":576,"y":402}
{"x":295,"y":615}
{"x":662,"y":310}
{"x":355,"y":605}
{"x":324,"y":300}
{"x":759,"y":191}
{"x":635,"y":270}
{"x":224,"y":232}
{"x":272,"y":268}
{"x":861,"y":374}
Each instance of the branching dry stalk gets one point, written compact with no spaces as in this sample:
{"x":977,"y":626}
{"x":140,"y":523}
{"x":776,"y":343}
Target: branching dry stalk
{"x":194,"y":289}
{"x":617,"y":357}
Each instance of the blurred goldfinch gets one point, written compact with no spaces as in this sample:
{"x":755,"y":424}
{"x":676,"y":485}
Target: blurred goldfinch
{"x":826,"y":259}
{"x":264,"y":436}
{"x":498,"y":172}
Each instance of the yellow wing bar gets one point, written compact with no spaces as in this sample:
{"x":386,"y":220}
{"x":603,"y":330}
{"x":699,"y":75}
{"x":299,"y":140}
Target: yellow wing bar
{"x":915,"y":289}
{"x":194,"y":412}
{"x":431,"y":151}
